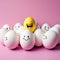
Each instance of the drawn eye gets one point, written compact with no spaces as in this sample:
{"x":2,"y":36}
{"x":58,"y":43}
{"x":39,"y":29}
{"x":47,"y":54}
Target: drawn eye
{"x":18,"y":26}
{"x":24,"y":36}
{"x":45,"y":27}
{"x":28,"y":36}
{"x":7,"y":28}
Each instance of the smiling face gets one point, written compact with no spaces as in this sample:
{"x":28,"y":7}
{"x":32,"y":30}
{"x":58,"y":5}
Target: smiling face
{"x":29,"y":24}
{"x":49,"y":39}
{"x":17,"y":26}
{"x":45,"y":27}
{"x":27,"y":40}
{"x":11,"y":39}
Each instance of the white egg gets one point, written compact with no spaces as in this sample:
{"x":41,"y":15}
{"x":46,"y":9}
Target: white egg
{"x":49,"y":39}
{"x":11,"y":39}
{"x":38,"y":37}
{"x":57,"y":25}
{"x":45,"y":27}
{"x":2,"y":34}
{"x":18,"y":28}
{"x":55,"y":29}
{"x":27,"y":40}
{"x":7,"y":26}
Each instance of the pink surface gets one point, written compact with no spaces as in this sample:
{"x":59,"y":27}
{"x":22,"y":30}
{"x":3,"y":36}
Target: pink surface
{"x":43,"y":11}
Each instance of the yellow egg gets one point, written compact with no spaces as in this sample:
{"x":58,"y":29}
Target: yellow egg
{"x":29,"y":24}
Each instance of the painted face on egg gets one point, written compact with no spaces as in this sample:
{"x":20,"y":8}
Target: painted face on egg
{"x":27,"y":40}
{"x":11,"y":39}
{"x":17,"y":26}
{"x":49,"y":39}
{"x":29,"y":24}
{"x":45,"y":27}
{"x":26,"y":37}
{"x":7,"y":27}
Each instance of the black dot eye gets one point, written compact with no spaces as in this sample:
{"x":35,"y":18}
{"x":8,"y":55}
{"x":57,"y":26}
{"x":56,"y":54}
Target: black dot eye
{"x":48,"y":28}
{"x":7,"y":28}
{"x":24,"y":36}
{"x":28,"y":36}
{"x":18,"y":26}
{"x":45,"y":27}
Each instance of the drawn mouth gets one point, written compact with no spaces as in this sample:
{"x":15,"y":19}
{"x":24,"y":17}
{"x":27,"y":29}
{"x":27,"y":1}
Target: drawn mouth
{"x":26,"y":39}
{"x":29,"y":26}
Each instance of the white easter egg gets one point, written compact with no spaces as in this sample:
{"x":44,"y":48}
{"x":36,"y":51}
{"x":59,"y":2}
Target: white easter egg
{"x":57,"y":25}
{"x":45,"y":27}
{"x":2,"y":34}
{"x":38,"y":37}
{"x":7,"y":26}
{"x":55,"y":29}
{"x":27,"y":40}
{"x":18,"y":28}
{"x":11,"y":39}
{"x":49,"y":39}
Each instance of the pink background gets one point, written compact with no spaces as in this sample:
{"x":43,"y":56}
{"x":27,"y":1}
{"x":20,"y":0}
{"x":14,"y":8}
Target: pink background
{"x":43,"y":11}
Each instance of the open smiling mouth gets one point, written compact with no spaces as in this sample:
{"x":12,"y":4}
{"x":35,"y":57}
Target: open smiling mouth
{"x":29,"y":26}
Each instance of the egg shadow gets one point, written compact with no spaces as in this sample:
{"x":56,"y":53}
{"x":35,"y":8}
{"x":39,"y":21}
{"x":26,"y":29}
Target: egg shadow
{"x":57,"y":47}
{"x":35,"y":48}
{"x":17,"y":49}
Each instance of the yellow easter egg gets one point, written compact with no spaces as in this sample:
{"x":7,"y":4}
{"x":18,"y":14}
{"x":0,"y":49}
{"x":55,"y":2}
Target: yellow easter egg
{"x":29,"y":24}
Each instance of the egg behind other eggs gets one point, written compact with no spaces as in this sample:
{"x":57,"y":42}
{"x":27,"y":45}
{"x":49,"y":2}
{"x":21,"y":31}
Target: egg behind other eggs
{"x":29,"y":24}
{"x":7,"y":27}
{"x":45,"y":27}
{"x":27,"y":40}
{"x":18,"y":28}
